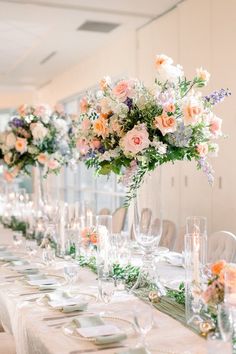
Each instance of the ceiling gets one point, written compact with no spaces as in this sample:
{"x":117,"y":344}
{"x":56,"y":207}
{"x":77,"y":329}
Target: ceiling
{"x":40,"y":38}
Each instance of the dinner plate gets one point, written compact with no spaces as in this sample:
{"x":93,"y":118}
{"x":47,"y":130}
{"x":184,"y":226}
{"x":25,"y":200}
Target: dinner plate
{"x":123,"y":324}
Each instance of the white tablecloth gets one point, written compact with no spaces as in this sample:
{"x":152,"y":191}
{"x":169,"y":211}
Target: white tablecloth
{"x":33,"y":335}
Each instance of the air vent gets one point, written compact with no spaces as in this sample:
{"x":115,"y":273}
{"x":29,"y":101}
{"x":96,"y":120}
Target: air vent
{"x":94,"y":26}
{"x":47,"y":58}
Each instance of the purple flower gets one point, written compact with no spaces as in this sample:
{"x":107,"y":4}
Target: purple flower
{"x":129,"y":103}
{"x":16,"y":122}
{"x":217,"y":96}
{"x":207,"y":169}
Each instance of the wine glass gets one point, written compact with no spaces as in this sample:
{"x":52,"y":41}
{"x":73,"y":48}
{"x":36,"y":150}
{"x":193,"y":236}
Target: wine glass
{"x":71,"y":271}
{"x":106,"y":287}
{"x":143,"y":321}
{"x":17,"y":238}
{"x":225,"y":321}
{"x":48,"y":256}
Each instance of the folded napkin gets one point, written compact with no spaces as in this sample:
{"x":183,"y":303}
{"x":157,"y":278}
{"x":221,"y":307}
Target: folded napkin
{"x":96,"y":321}
{"x":19,"y":263}
{"x":43,"y":282}
{"x":36,"y":276}
{"x":175,"y":259}
{"x":140,"y":350}
{"x":66,"y":304}
{"x":9,"y":258}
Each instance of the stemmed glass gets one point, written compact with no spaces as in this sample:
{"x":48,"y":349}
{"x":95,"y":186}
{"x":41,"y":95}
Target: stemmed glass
{"x":71,"y":272}
{"x":143,"y":321}
{"x":17,"y":238}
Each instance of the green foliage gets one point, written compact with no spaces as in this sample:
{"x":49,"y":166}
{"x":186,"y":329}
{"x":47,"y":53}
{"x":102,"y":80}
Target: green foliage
{"x":177,"y":295}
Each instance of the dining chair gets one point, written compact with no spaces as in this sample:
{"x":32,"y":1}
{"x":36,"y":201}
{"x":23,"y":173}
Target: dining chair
{"x":118,"y":220}
{"x":104,"y":211}
{"x":168,"y":236}
{"x":7,"y":344}
{"x":222,"y":245}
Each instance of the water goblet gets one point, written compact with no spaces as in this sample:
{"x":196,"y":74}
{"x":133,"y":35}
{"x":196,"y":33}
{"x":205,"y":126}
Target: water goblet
{"x":31,"y":247}
{"x":143,"y":321}
{"x":48,"y":256}
{"x":106,"y":286}
{"x":71,"y":271}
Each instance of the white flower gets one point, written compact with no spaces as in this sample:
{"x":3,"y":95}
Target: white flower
{"x":166,"y":70}
{"x":61,"y":126}
{"x":38,"y":131}
{"x":33,"y":149}
{"x":120,"y":109}
{"x":10,"y":140}
{"x":161,"y":147}
{"x":203,"y":75}
{"x":29,"y":118}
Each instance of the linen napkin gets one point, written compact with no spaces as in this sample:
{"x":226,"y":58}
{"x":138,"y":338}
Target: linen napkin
{"x":96,"y":321}
{"x":65,"y":303}
{"x":140,"y":350}
{"x":36,"y":276}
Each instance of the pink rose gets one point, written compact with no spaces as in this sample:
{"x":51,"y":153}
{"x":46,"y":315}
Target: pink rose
{"x":135,"y":140}
{"x":21,"y":145}
{"x":215,"y":126}
{"x":202,"y":149}
{"x":82,"y":146}
{"x":95,"y":144}
{"x":166,"y":124}
{"x":123,"y":90}
{"x":84,"y":105}
{"x":53,"y":164}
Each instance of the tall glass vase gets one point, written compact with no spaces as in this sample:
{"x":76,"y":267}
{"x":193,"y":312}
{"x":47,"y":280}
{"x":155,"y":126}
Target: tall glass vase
{"x":40,"y":187}
{"x":195,"y":261}
{"x":147,"y":221}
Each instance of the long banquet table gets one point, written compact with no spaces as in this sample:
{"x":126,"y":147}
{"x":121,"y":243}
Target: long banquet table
{"x":34,"y":335}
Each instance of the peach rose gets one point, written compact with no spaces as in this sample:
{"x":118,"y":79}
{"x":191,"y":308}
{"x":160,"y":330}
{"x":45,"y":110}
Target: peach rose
{"x":85,"y":125}
{"x":191,"y":113}
{"x":22,"y":109}
{"x":215,"y":125}
{"x":217,"y":267}
{"x":7,"y":176}
{"x":84,"y":106}
{"x":166,"y":124}
{"x":135,"y":140}
{"x":202,"y":149}
{"x":170,"y":108}
{"x":104,"y":83}
{"x":53,"y":164}
{"x":42,"y":158}
{"x":21,"y":145}
{"x":100,"y":127}
{"x":123,"y":90}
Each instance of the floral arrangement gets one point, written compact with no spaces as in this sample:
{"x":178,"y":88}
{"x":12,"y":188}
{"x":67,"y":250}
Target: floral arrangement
{"x":129,"y":129}
{"x":215,"y":292}
{"x":89,"y":236}
{"x":36,"y":135}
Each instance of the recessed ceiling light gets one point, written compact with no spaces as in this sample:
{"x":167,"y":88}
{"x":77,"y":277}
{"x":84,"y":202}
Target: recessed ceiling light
{"x":94,"y":26}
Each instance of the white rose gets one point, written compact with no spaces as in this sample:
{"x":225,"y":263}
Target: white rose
{"x":10,"y":140}
{"x":170,"y":73}
{"x":38,"y":131}
{"x":120,"y":109}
